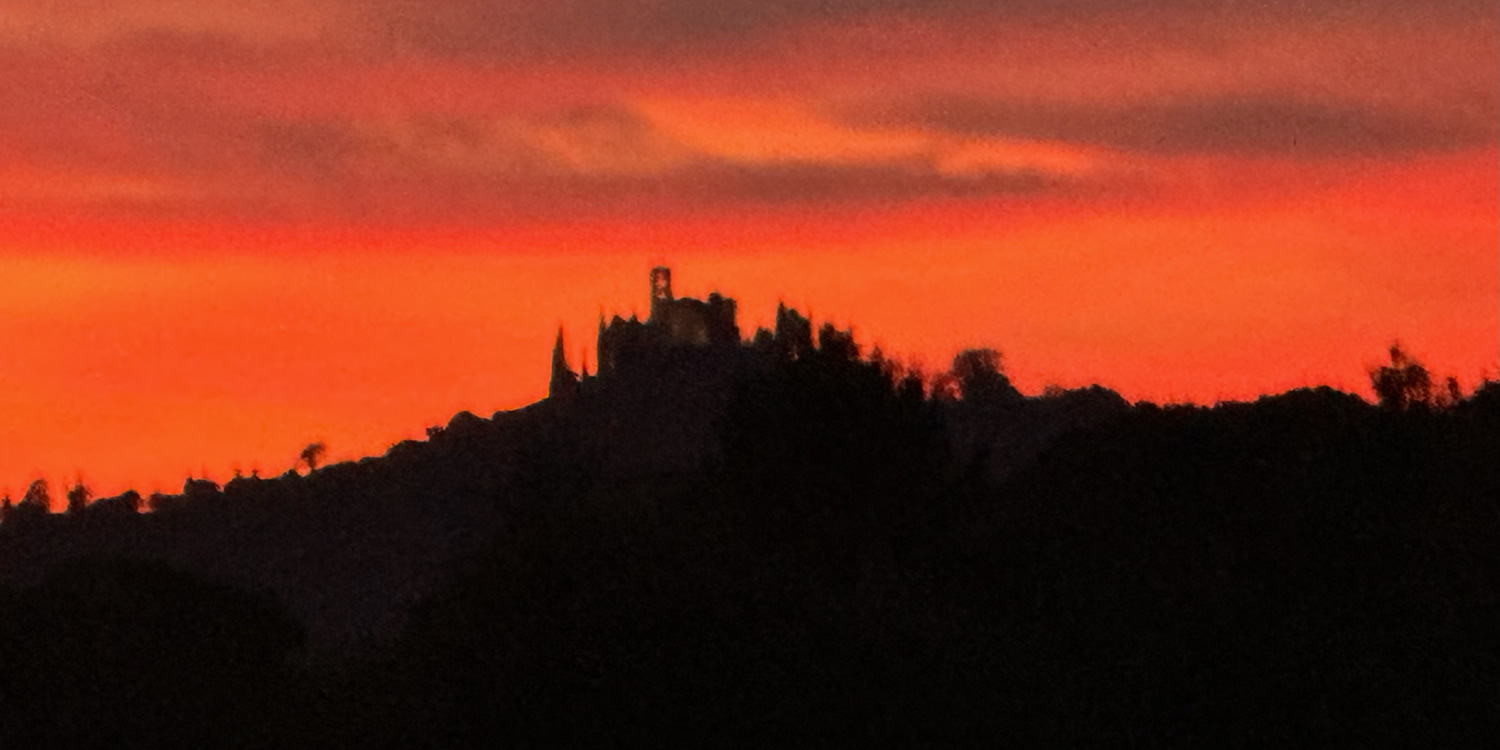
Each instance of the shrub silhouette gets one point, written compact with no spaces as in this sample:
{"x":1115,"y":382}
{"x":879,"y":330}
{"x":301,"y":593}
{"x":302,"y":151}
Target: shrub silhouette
{"x":312,"y":455}
{"x":38,"y":497}
{"x":78,"y":498}
{"x":124,"y":504}
{"x":980,"y":378}
{"x":1402,"y":384}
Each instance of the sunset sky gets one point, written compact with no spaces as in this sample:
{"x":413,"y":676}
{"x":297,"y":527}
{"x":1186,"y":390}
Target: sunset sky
{"x":230,"y":228}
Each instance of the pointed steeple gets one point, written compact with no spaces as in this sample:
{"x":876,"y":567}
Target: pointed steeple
{"x":564,"y":382}
{"x":559,"y":353}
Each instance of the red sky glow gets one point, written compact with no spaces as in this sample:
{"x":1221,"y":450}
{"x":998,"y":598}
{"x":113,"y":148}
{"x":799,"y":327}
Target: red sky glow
{"x":229,"y":229}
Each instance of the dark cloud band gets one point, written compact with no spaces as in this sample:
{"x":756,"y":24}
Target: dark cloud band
{"x":1242,"y":125}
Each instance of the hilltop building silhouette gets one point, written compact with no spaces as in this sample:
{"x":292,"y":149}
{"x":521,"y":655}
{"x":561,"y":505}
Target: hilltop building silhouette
{"x":690,"y":321}
{"x":674,"y":324}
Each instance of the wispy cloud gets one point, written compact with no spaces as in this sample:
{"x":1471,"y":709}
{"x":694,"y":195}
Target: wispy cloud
{"x":1255,"y":124}
{"x":477,"y":109}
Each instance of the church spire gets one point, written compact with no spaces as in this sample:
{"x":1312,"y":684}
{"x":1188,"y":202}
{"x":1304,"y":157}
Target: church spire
{"x":564,"y":381}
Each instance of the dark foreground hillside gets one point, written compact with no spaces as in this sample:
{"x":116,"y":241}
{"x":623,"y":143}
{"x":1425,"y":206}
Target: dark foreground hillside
{"x":755,"y":550}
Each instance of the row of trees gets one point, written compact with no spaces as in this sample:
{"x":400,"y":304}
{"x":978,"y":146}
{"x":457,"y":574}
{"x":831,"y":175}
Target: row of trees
{"x":1405,"y":383}
{"x":976,"y":376}
{"x":37,"y":500}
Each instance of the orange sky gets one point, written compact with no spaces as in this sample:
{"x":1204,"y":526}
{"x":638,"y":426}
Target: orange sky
{"x":228,"y":230}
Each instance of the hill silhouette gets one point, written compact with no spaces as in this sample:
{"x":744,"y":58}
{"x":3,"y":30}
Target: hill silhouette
{"x":784,"y":541}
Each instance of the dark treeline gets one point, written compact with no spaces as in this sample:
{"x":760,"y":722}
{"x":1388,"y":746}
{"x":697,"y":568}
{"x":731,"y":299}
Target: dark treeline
{"x":790,"y":543}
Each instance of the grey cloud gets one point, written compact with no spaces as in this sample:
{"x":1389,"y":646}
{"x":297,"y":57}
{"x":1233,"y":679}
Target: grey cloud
{"x":826,"y":183}
{"x":520,"y":31}
{"x":716,"y":187}
{"x":335,"y":161}
{"x":314,"y":147}
{"x":194,"y":51}
{"x":569,"y":29}
{"x":602,"y":138}
{"x":713,"y":185}
{"x":1251,"y":124}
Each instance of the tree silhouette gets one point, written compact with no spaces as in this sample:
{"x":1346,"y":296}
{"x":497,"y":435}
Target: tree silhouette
{"x":837,"y":345}
{"x":313,"y":454}
{"x":1403,"y":383}
{"x":1454,"y":394}
{"x":127,"y":503}
{"x":78,"y":497}
{"x":793,"y":333}
{"x":976,"y":376}
{"x":912,"y":385}
{"x":38,"y":496}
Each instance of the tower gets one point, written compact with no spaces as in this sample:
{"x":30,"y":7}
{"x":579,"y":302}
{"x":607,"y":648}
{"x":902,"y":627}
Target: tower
{"x":661,"y":291}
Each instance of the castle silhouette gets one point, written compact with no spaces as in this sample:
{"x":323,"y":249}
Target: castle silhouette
{"x":674,"y":323}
